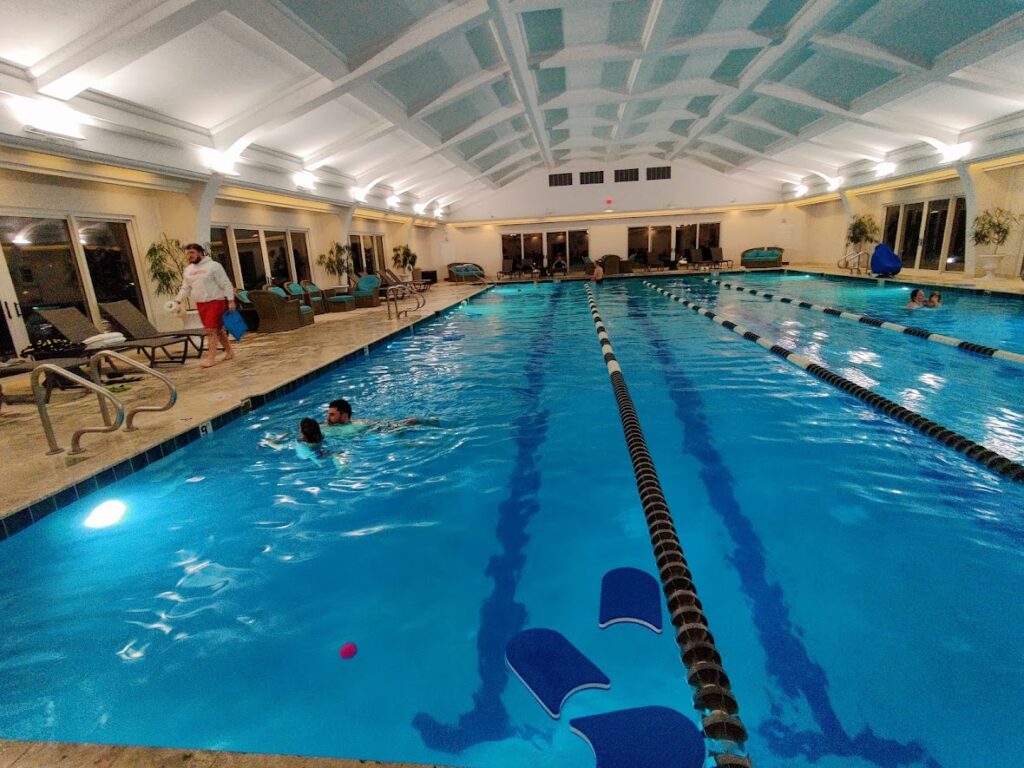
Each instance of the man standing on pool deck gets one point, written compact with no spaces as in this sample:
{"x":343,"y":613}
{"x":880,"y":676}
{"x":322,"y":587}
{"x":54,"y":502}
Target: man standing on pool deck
{"x":208,"y":285}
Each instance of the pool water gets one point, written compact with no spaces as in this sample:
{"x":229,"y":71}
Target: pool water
{"x":861,"y":581}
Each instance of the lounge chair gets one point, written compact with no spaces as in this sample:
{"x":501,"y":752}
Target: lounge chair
{"x":135,"y":325}
{"x":76,"y":328}
{"x":367,"y":292}
{"x":77,"y":365}
{"x":611,"y":264}
{"x":717,"y":261}
{"x":279,"y":313}
{"x":468,"y":273}
{"x":247,"y":309}
{"x":314,"y":296}
{"x":417,"y":286}
{"x":761,"y":258}
{"x":655,"y":261}
{"x":306,"y":310}
{"x":506,"y":269}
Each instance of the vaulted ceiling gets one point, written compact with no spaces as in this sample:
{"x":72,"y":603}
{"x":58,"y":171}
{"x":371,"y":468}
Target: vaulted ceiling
{"x":442,"y":101}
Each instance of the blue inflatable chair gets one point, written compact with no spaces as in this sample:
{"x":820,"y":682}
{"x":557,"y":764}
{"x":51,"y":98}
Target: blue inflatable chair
{"x":884,"y":262}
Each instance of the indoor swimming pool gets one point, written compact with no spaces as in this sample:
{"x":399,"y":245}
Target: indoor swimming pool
{"x":862,"y":582}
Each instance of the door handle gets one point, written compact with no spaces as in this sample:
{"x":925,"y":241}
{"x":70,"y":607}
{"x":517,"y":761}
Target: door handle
{"x":17,"y":309}
{"x":7,"y":309}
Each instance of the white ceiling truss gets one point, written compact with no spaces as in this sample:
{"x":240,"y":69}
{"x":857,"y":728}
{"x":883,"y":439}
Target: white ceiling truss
{"x":442,"y":100}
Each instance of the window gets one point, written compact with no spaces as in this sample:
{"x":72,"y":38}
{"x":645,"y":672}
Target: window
{"x":579,"y":249}
{"x":250,"y":258}
{"x":357,"y":254}
{"x":686,"y":238}
{"x":277,"y":257}
{"x":220,"y":252}
{"x":708,"y":234}
{"x":659,"y":173}
{"x":891,"y":227}
{"x":661,"y":244}
{"x":108,"y":259}
{"x":957,"y":241}
{"x":559,"y":179}
{"x":934,"y":234}
{"x":637,"y":244}
{"x":533,"y":250}
{"x":512,"y":250}
{"x":926,"y":235}
{"x":627,"y":174}
{"x":913,"y":216}
{"x":592,"y":177}
{"x":558,"y":254}
{"x":300,"y":256}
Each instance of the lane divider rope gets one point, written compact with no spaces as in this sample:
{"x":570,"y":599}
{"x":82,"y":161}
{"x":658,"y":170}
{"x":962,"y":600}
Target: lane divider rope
{"x":978,"y":453}
{"x":712,"y":690}
{"x":921,"y":333}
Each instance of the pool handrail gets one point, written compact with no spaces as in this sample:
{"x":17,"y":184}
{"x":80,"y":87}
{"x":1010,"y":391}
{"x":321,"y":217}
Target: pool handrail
{"x":38,"y":392}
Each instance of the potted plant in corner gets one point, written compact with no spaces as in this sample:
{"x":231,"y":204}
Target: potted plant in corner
{"x":862,"y":230}
{"x":992,"y":228}
{"x":167,"y":261}
{"x":404,"y":258}
{"x":338,"y":262}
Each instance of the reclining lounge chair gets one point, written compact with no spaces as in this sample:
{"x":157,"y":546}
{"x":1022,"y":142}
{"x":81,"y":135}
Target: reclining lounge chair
{"x":279,"y":313}
{"x":127,"y":318}
{"x":76,"y":328}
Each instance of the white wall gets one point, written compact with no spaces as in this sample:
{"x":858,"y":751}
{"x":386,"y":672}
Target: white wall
{"x":692,"y":186}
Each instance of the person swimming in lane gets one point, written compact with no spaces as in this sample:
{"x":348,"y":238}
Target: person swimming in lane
{"x":340,"y":422}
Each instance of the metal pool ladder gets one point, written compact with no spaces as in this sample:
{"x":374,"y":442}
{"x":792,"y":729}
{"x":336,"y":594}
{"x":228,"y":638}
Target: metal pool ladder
{"x":856,"y":262}
{"x":110,"y":424}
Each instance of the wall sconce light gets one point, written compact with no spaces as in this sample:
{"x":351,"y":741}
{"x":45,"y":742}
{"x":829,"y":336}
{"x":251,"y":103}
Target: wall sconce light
{"x":359,"y":194}
{"x":305,"y":180}
{"x":884,"y":169}
{"x":800,"y":190}
{"x":48,"y":117}
{"x":953,"y":152}
{"x":393,"y":201}
{"x":219,"y":162}
{"x":420,"y":208}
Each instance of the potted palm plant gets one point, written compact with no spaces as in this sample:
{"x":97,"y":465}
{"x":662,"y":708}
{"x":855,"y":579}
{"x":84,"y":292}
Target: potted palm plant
{"x":992,"y":228}
{"x":863,"y":231}
{"x":338,"y":262}
{"x":403,"y":258}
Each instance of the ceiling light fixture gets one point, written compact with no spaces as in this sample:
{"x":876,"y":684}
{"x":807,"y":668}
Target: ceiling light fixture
{"x":834,"y":184}
{"x":800,"y":190}
{"x":305,"y":180}
{"x":953,"y":152}
{"x":420,"y":208}
{"x":50,"y":118}
{"x":393,"y":201}
{"x":885,"y":169}
{"x":359,"y":194}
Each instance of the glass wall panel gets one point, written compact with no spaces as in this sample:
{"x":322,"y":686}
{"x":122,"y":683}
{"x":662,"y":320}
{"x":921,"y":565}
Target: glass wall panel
{"x":891,"y":226}
{"x":912,"y":215}
{"x":219,"y":251}
{"x":686,"y":238}
{"x":43,"y":269}
{"x":558,"y":254}
{"x":300,"y":255}
{"x":357,"y":254}
{"x":934,"y":233}
{"x":378,"y":249}
{"x":277,"y":256}
{"x":661,"y":244}
{"x":108,"y":256}
{"x":533,"y":250}
{"x":512,"y":251}
{"x":636,"y":244}
{"x":708,"y":234}
{"x":579,"y":250}
{"x":957,"y":237}
{"x":250,"y":258}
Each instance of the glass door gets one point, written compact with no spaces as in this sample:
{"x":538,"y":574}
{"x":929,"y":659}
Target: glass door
{"x":557,"y":253}
{"x":108,"y":257}
{"x":250,"y":258}
{"x":41,"y":273}
{"x":912,"y":219}
{"x":661,"y":245}
{"x":579,"y":249}
{"x":300,"y":256}
{"x":533,"y":250}
{"x":277,"y":257}
{"x":934,"y":234}
{"x":13,"y":337}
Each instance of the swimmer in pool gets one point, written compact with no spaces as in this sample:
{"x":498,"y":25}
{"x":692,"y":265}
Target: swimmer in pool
{"x":340,"y":422}
{"x":916,"y":299}
{"x":934,"y":299}
{"x":310,"y":444}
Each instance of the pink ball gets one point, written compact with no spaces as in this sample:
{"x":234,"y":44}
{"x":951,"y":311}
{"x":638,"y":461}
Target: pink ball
{"x":348,"y":650}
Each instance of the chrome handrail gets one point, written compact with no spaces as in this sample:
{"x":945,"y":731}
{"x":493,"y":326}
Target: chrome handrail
{"x":44,"y":415}
{"x":172,"y":398}
{"x":393,"y":293}
{"x":855,"y":262}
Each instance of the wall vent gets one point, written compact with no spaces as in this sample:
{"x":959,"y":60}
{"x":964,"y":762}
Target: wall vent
{"x":592,"y":177}
{"x":559,"y":179}
{"x":659,"y":173}
{"x":627,"y":174}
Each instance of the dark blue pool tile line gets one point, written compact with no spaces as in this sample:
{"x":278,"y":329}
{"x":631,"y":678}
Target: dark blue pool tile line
{"x":36,"y":511}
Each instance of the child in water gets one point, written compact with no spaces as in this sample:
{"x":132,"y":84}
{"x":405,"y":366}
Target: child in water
{"x":310,"y":444}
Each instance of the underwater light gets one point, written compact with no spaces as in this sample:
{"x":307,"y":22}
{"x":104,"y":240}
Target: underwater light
{"x":106,"y":514}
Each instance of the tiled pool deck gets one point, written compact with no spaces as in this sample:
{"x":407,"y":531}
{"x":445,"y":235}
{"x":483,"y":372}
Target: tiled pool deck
{"x":264,"y":365}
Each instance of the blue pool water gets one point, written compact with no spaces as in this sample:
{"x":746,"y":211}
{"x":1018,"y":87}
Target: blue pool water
{"x":862,"y":583}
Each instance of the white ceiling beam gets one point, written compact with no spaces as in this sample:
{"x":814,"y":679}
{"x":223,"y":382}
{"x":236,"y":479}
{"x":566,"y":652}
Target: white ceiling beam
{"x":585,"y":97}
{"x":453,"y":18}
{"x":730,"y":40}
{"x":278,"y":24}
{"x":522,"y":6}
{"x":763,"y":125}
{"x":597,"y":53}
{"x":518,"y":136}
{"x":652,"y":40}
{"x":688,"y":88}
{"x":432,"y":183}
{"x":460,"y":89}
{"x":861,"y":51}
{"x":512,"y":160}
{"x":798,"y":32}
{"x":905,"y":126}
{"x":115,"y":42}
{"x":348,"y":143}
{"x":505,"y":28}
{"x":989,"y":85}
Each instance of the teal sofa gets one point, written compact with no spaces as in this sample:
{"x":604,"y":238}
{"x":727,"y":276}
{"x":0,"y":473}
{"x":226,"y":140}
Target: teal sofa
{"x":760,"y":258}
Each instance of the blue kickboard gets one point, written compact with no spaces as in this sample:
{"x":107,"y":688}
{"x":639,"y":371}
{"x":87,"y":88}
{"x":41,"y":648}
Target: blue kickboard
{"x":630,"y":595}
{"x":551,"y":667}
{"x":645,"y":737}
{"x":235,"y":324}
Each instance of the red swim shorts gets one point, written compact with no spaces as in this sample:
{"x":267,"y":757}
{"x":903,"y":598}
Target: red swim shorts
{"x":212,"y":313}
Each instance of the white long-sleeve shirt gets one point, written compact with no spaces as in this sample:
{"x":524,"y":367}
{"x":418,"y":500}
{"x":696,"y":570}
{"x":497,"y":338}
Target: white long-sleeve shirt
{"x":205,"y":280}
